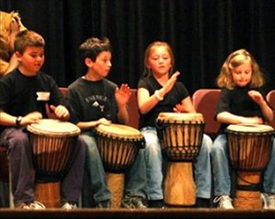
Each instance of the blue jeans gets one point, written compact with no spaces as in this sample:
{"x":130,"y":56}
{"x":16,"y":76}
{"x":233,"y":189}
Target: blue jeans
{"x":154,"y":172}
{"x":135,"y":178}
{"x":220,"y":163}
{"x":269,"y":174}
{"x":95,"y":170}
{"x":221,"y":168}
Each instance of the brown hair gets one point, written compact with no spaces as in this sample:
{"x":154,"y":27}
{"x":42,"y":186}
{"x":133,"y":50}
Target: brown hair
{"x":234,"y":60}
{"x":26,"y":39}
{"x":93,"y":46}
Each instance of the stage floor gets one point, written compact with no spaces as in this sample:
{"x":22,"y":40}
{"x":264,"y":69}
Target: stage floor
{"x":186,"y":213}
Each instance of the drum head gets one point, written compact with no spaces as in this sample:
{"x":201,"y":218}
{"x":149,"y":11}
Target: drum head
{"x":53,"y":127}
{"x":247,"y":128}
{"x":119,"y":131}
{"x":180,"y":117}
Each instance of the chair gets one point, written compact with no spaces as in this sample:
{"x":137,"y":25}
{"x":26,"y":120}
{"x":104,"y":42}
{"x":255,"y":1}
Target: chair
{"x":270,"y":98}
{"x":205,"y":102}
{"x":133,"y":110}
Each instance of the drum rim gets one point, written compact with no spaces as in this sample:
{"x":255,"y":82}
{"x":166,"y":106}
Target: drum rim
{"x":177,"y":119}
{"x":270,"y":129}
{"x":36,"y":130}
{"x":120,"y":136}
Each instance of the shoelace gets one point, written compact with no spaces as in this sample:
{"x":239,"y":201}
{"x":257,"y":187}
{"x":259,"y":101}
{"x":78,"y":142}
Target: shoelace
{"x":36,"y":205}
{"x":224,"y":201}
{"x":263,"y":198}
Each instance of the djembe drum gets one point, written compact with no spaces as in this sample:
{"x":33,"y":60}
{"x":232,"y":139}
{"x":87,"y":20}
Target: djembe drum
{"x":250,"y":148}
{"x":118,"y":146}
{"x":52,"y":142}
{"x":180,"y":137}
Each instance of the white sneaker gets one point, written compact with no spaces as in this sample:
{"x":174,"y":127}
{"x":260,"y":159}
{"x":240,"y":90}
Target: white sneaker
{"x":224,"y":202}
{"x":268,"y":200}
{"x":68,"y":206}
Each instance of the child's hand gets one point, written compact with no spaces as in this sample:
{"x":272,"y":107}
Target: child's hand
{"x":171,"y":81}
{"x":179,"y":108}
{"x":122,"y":95}
{"x":256,"y":96}
{"x":30,"y":118}
{"x":104,"y":121}
{"x":57,"y":112}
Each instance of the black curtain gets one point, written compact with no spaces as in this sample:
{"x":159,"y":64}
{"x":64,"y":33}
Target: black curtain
{"x":201,"y":32}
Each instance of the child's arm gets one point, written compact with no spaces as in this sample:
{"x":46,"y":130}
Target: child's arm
{"x":229,"y":118}
{"x":266,"y":110}
{"x":9,"y":120}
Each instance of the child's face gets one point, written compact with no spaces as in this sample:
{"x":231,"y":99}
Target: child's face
{"x":31,"y":60}
{"x":242,"y":74}
{"x":102,"y":64}
{"x":159,"y":60}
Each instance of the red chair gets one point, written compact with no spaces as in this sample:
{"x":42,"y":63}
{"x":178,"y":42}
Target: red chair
{"x":133,"y":110}
{"x":205,"y":102}
{"x":270,"y":98}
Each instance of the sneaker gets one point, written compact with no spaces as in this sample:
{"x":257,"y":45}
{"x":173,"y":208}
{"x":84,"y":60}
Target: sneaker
{"x":104,"y":204}
{"x":35,"y":205}
{"x":224,"y":202}
{"x":156,"y":204}
{"x":268,"y":200}
{"x":203,"y":203}
{"x":135,"y":202}
{"x":68,"y":206}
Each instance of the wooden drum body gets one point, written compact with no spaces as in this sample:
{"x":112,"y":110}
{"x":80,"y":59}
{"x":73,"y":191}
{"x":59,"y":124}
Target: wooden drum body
{"x":180,"y":137}
{"x":250,"y":148}
{"x":118,"y":146}
{"x":52,"y":142}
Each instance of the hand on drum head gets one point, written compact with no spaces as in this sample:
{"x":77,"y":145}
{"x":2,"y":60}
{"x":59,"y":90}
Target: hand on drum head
{"x":30,"y":118}
{"x":104,"y":121}
{"x":57,"y":112}
{"x":180,"y":108}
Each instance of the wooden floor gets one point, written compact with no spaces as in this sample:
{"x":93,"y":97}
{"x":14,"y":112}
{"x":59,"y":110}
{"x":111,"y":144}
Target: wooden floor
{"x":186,"y":213}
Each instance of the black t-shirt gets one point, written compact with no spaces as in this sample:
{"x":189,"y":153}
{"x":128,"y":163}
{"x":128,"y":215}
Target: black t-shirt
{"x":91,"y":101}
{"x":18,"y":93}
{"x":175,"y":96}
{"x":238,"y":102}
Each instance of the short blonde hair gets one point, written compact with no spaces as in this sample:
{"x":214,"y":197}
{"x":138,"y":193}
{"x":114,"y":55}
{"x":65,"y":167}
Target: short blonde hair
{"x":233,"y":61}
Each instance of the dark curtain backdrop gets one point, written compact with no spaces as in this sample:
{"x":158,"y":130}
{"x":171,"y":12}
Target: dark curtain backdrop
{"x":201,"y":32}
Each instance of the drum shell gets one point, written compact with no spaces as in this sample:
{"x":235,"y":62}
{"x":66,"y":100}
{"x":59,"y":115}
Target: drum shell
{"x":52,"y":151}
{"x":249,"y":151}
{"x":180,"y":139}
{"x":118,"y":152}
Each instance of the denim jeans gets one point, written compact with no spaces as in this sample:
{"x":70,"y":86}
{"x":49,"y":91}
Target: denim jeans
{"x":269,"y":174}
{"x":220,"y":163}
{"x":154,"y":161}
{"x":221,"y":168}
{"x":135,"y":177}
{"x":95,"y":170}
